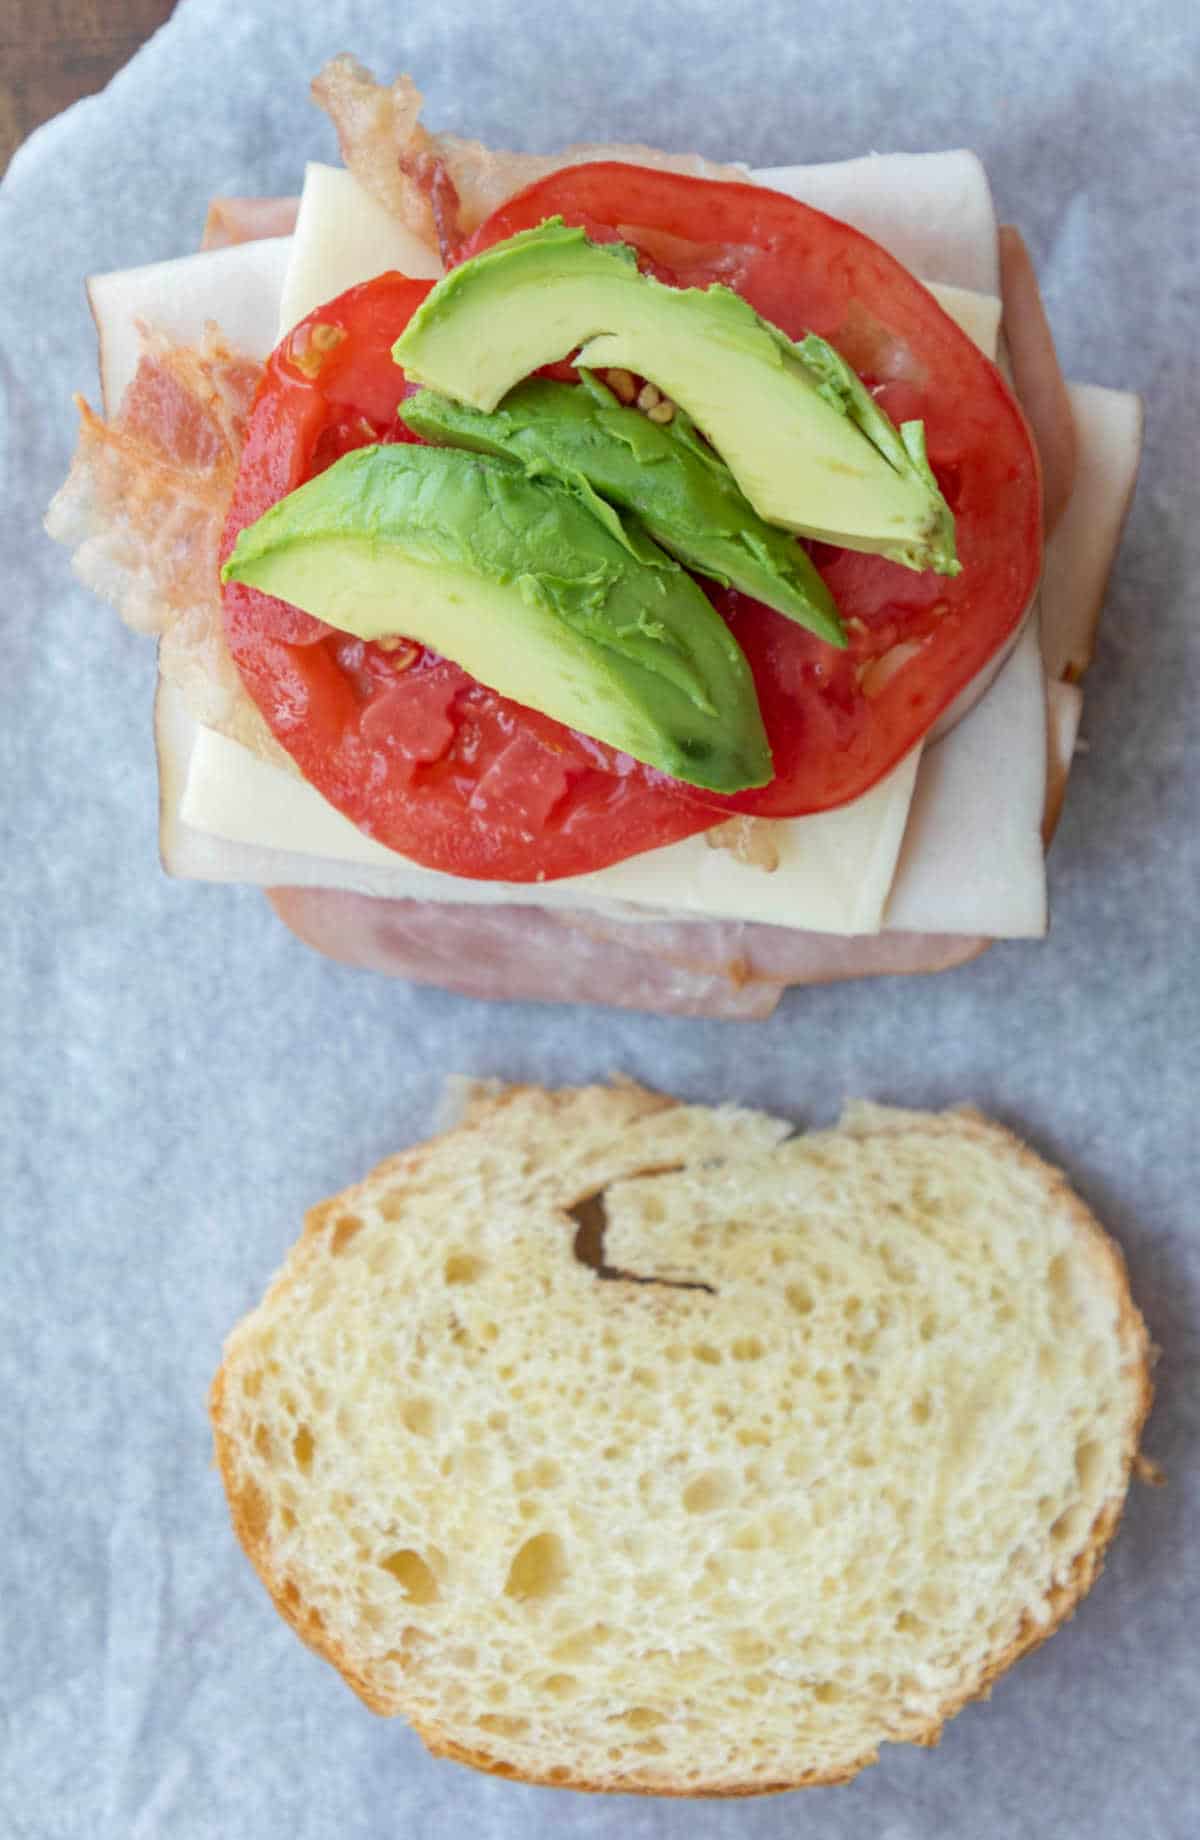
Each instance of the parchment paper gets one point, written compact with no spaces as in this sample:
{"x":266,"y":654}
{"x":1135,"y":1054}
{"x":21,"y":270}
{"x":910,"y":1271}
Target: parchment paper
{"x":181,"y":1078}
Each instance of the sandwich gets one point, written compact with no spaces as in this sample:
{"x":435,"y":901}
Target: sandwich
{"x":623,"y":1444}
{"x":892,"y":708}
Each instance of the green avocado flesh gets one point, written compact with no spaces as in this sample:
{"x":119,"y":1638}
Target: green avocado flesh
{"x":519,"y":582}
{"x":805,"y":442}
{"x":665,"y":474}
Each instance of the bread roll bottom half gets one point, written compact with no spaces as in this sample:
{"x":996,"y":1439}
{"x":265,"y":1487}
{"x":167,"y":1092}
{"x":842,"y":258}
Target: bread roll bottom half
{"x":624,"y":1444}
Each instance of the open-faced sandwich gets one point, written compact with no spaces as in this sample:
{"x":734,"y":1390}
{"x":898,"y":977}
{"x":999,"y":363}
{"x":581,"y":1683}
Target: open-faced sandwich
{"x":606,"y":577}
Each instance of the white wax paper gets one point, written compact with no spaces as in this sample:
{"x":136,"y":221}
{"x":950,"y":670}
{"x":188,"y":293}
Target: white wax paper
{"x":181,"y":1078}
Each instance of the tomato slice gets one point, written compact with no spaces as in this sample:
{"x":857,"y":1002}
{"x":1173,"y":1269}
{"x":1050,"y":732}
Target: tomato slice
{"x":404,"y":743}
{"x":838,"y":721}
{"x":451,"y":774}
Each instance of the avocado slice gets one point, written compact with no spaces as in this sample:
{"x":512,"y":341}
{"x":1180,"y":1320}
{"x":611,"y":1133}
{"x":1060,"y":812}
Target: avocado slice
{"x":519,"y":582}
{"x":682,"y":492}
{"x":810,"y":451}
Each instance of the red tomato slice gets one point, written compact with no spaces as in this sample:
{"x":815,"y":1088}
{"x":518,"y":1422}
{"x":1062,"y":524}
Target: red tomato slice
{"x":463,"y":780}
{"x":408,"y":746}
{"x":838,"y":721}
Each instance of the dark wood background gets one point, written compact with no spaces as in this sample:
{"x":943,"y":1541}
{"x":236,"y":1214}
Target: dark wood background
{"x":54,"y":51}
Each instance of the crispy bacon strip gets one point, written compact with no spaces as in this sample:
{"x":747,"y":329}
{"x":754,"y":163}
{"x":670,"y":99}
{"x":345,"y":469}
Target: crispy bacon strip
{"x":143,"y":508}
{"x":396,"y":159}
{"x":246,"y":220}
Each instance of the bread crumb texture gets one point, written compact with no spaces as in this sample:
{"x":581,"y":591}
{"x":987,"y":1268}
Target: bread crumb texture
{"x":632,"y":1536}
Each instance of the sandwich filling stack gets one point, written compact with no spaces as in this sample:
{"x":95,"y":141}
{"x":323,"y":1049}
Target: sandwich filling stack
{"x":900,"y":703}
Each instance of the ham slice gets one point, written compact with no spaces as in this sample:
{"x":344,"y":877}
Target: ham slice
{"x":1037,"y":376}
{"x":246,"y":220}
{"x":515,"y":953}
{"x":729,"y":970}
{"x":143,"y":507}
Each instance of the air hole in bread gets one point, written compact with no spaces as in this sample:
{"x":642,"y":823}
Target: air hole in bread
{"x":560,"y":1686}
{"x":419,"y":1416}
{"x":704,"y":1351}
{"x":582,"y":1643}
{"x":413,"y":1574}
{"x":748,"y":1348}
{"x":463,"y":1268}
{"x":502,"y":1724}
{"x":713,"y":1489}
{"x":642,"y":1718}
{"x":1088,"y":1458}
{"x":539,"y":1568}
{"x":1058,"y":1277}
{"x":800,"y":1298}
{"x":750,"y":1538}
{"x":591,"y":1221}
{"x":344,"y":1229}
{"x":302,"y":1449}
{"x":1068,"y":1528}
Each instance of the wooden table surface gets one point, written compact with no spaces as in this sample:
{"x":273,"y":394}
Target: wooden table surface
{"x":54,"y":51}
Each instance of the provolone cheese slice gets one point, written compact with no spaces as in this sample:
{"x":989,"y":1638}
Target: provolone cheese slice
{"x":343,"y":237}
{"x":1108,"y":425}
{"x":972,"y":859}
{"x":932,"y":211}
{"x":238,"y":288}
{"x":833,"y":875}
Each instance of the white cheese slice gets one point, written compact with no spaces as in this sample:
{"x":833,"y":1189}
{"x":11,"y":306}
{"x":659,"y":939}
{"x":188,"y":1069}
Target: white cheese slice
{"x":343,"y":237}
{"x":1108,"y":424}
{"x":977,"y":314}
{"x":834,"y":869}
{"x":933,"y":211}
{"x":972,"y":859}
{"x":238,"y":288}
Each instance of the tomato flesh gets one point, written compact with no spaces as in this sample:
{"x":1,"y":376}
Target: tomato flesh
{"x":461,"y":779}
{"x":837,"y":725}
{"x":404,"y":743}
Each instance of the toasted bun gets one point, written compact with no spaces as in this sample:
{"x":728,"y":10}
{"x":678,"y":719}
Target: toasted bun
{"x":624,"y":1444}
